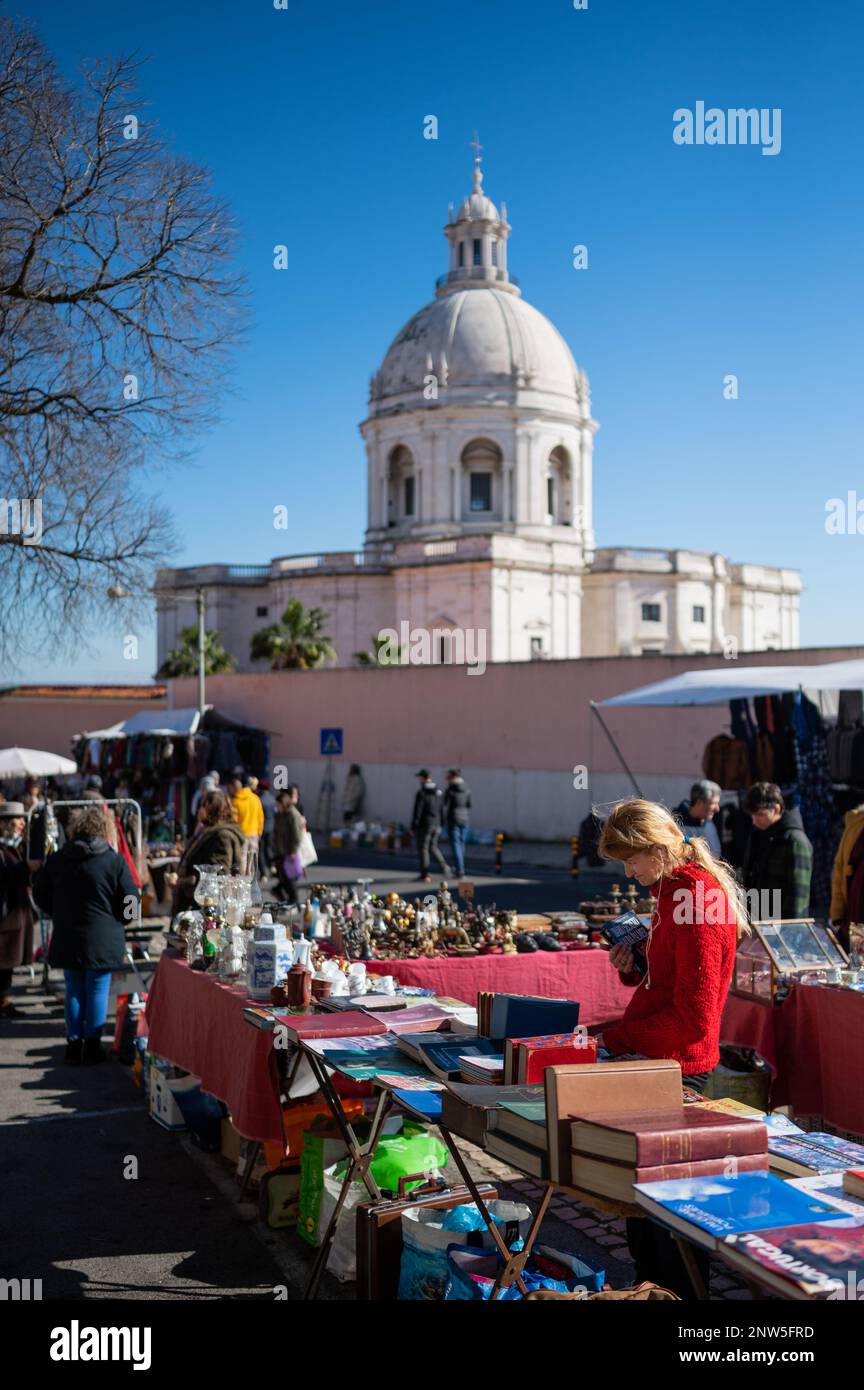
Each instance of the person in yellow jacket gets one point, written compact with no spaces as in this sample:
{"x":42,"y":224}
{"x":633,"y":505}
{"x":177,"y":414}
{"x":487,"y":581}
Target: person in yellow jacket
{"x":249,"y":811}
{"x":848,"y":871}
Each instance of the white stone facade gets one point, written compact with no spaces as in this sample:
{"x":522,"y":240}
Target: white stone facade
{"x":479,"y":443}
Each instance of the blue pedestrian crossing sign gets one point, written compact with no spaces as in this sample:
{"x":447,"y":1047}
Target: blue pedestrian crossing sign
{"x":331,"y":742}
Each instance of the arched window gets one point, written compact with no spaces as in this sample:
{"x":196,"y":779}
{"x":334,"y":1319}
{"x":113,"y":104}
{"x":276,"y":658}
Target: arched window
{"x":401,"y":487}
{"x":559,"y":488}
{"x":481,"y":481}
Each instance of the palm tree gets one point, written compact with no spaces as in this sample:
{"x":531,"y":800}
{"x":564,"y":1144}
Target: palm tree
{"x":296,"y":642}
{"x":183,"y":660}
{"x":379,"y":657}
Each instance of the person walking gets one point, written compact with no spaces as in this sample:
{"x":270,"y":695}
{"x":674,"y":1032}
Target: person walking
{"x":697,"y":814}
{"x":457,"y":804}
{"x":268,"y":802}
{"x":16,"y":916}
{"x":778,"y":863}
{"x":353,"y":796}
{"x":88,"y":891}
{"x":218,"y":839}
{"x":249,"y":811}
{"x":426,"y":825}
{"x":288,"y":830}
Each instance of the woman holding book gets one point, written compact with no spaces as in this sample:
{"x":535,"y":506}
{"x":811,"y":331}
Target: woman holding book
{"x":681,"y":979}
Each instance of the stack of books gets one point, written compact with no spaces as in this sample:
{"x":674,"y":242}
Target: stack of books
{"x":526,"y":1059}
{"x":444,"y":1053}
{"x":622,"y":1087}
{"x":481,"y":1071}
{"x":473,"y":1112}
{"x":520,"y":1136}
{"x":612,"y":1152}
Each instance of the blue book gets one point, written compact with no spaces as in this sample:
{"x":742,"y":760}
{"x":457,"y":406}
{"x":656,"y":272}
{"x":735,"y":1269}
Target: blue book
{"x":442,"y":1057}
{"x":425,"y":1104}
{"x":628,"y":930}
{"x":520,"y":1016}
{"x":707,"y":1210}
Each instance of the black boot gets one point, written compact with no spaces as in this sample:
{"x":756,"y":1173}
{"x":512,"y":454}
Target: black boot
{"x":72,"y":1055}
{"x":93,"y":1052}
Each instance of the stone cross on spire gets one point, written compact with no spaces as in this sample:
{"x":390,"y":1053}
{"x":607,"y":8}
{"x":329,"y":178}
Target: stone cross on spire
{"x":477,"y":147}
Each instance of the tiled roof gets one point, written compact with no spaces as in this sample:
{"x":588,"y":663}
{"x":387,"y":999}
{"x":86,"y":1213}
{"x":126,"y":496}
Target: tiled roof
{"x":86,"y":692}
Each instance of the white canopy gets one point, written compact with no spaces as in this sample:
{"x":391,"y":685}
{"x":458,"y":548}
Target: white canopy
{"x":32,"y":762}
{"x":734,"y":682}
{"x":152,"y":721}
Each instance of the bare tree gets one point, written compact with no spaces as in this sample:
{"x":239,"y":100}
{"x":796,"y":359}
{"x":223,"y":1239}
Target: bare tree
{"x":117,"y":307}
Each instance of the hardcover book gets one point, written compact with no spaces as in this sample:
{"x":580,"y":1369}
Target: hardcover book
{"x":442,"y":1056}
{"x":526,"y":1059}
{"x":340,"y":1025}
{"x":471,"y":1111}
{"x":686,"y":1134}
{"x":707,"y":1210}
{"x":618,"y":1179}
{"x":523,"y":1157}
{"x":524,"y":1016}
{"x":525,"y":1120}
{"x":621,"y":1087}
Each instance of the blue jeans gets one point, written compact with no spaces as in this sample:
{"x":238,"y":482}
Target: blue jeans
{"x":456,"y":835}
{"x":86,"y":1002}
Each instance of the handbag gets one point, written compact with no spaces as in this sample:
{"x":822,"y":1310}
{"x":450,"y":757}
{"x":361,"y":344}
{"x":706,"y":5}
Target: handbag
{"x":292,"y":865}
{"x":307,"y":852}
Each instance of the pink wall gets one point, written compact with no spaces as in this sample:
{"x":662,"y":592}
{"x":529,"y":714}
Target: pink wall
{"x":51,"y":722}
{"x":520,"y":715}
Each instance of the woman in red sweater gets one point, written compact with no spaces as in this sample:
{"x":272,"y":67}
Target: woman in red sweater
{"x":677,"y":1004}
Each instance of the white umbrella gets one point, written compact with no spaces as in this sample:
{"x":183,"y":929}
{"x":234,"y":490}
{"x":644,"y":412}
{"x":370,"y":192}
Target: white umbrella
{"x":31,"y":762}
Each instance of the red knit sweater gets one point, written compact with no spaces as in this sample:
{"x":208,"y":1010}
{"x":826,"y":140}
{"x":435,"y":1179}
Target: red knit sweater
{"x":678,"y":1015}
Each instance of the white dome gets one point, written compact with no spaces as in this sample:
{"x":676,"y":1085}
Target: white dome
{"x":481,"y":343}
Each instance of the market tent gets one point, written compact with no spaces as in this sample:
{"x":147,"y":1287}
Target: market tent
{"x":722,"y":683}
{"x":32,"y":762}
{"x":153,"y":721}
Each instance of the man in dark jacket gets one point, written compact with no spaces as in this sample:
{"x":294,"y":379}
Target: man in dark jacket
{"x":91,"y":896}
{"x":779,"y":860}
{"x":697,"y":813}
{"x":457,"y":804}
{"x":426,"y":824}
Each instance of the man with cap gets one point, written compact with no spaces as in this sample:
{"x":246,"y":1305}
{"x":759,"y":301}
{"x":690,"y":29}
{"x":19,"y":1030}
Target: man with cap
{"x":426,"y":825}
{"x":16,"y":915}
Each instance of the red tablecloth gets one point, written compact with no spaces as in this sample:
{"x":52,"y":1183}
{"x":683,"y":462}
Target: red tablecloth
{"x":583,"y":975}
{"x":197,"y":1023}
{"x":815,"y":1040}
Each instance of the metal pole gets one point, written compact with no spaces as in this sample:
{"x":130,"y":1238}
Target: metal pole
{"x":618,"y":753}
{"x":199,"y":600}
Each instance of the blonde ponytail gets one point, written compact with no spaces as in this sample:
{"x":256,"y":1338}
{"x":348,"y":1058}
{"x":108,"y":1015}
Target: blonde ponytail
{"x":636,"y":826}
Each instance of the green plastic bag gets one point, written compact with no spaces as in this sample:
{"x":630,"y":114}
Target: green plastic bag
{"x":413,"y":1150}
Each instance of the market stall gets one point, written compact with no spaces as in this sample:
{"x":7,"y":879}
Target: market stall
{"x":161,"y":756}
{"x":583,"y":975}
{"x":814,"y":1043}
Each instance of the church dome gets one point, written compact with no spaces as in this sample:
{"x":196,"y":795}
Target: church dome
{"x":479,"y":342}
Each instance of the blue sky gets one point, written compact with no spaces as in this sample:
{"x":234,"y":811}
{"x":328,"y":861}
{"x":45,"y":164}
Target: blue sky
{"x":704,"y":261}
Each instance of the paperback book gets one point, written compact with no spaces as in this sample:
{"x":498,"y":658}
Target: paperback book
{"x":707,"y":1210}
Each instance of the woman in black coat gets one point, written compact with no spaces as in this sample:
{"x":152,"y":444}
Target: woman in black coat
{"x":87,"y":890}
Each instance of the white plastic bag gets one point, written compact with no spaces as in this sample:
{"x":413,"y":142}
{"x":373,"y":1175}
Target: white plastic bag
{"x":308,"y":853}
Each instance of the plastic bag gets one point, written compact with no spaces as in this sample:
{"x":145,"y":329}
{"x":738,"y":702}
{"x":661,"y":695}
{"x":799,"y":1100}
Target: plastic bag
{"x":472,"y":1275}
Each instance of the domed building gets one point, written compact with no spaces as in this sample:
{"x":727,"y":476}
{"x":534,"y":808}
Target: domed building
{"x":479,"y":440}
